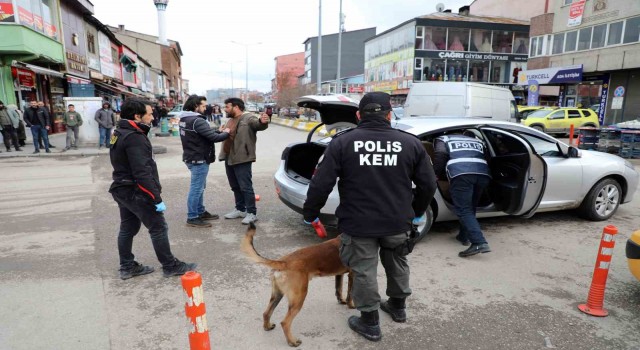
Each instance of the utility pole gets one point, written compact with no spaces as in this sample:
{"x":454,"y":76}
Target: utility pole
{"x":319,"y":78}
{"x":340,"y":28}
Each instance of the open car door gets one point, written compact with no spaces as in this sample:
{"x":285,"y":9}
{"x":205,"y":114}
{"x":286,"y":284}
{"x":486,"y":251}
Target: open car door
{"x":518,"y":173}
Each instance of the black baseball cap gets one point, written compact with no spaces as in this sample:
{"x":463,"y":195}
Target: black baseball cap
{"x":374,"y":102}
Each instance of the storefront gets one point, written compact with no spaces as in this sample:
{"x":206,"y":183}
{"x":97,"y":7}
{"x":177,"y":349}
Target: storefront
{"x":447,"y":47}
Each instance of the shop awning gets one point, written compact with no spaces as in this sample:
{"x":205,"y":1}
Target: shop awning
{"x":40,"y":70}
{"x":115,"y":88}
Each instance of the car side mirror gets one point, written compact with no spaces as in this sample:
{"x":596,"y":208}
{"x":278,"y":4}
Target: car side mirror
{"x":574,"y":153}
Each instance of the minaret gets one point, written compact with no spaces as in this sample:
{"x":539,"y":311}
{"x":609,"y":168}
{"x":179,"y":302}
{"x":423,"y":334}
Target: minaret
{"x":161,"y":5}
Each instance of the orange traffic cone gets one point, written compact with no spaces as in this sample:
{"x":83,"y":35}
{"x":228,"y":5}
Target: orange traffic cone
{"x":595,"y":301}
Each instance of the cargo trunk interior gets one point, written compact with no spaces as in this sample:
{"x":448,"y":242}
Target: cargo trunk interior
{"x":302,"y":161}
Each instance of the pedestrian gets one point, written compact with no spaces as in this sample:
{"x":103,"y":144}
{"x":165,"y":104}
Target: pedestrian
{"x":72,"y":120}
{"x":48,"y":114}
{"x":38,"y":120}
{"x":198,"y":151}
{"x":462,"y":160}
{"x":375,"y":165}
{"x":9,"y":123}
{"x":159,"y":112}
{"x":137,"y":191}
{"x":208,"y":112}
{"x":22,"y":132}
{"x":106,"y":121}
{"x":217,"y":115}
{"x":239,"y":153}
{"x":269,"y":111}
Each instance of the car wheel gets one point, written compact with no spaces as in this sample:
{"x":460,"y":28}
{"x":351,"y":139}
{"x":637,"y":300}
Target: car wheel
{"x":424,"y":228}
{"x":602,"y":201}
{"x":538,"y":127}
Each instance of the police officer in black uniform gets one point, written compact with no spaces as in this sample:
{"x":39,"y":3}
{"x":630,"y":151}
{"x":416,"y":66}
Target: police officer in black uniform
{"x":136,"y":188}
{"x":462,"y":159}
{"x":376,"y":165}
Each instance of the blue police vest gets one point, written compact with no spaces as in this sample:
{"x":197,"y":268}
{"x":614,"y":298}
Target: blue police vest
{"x":466,"y":156}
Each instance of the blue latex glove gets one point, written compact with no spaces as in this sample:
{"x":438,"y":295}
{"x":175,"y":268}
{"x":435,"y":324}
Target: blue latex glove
{"x":417,"y":221}
{"x":160,"y":207}
{"x":314,"y":221}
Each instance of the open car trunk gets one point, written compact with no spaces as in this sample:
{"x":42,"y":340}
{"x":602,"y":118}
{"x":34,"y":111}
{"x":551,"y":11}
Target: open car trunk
{"x":302,"y":160}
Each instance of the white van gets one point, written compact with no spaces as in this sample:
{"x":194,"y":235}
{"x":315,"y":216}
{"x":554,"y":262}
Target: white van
{"x":461,"y":99}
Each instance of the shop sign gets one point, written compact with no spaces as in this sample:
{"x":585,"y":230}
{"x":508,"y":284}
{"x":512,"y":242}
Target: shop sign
{"x":96,"y":75}
{"x":38,"y":23}
{"x":6,"y":11}
{"x":26,"y":78}
{"x":26,"y":17}
{"x":57,"y":90}
{"x":457,"y":55}
{"x":534,"y":93}
{"x":575,"y":13}
{"x":78,"y":81}
{"x":94,"y":63}
{"x":603,"y":100}
{"x":106,"y":63}
{"x":76,"y":62}
{"x":50,"y":30}
{"x":356,"y":89}
{"x":555,"y":75}
{"x":385,"y":86}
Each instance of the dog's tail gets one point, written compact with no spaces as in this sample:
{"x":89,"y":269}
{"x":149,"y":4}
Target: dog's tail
{"x":247,"y":247}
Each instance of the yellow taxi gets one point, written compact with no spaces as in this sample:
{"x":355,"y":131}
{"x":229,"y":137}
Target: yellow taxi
{"x":559,"y":120}
{"x":524,"y":111}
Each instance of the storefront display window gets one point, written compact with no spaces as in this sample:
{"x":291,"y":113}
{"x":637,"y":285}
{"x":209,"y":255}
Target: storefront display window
{"x":570,"y":41}
{"x":632,"y":30}
{"x":435,"y":38}
{"x":521,"y":45}
{"x":599,"y":34}
{"x":584,"y":40}
{"x":458,"y":39}
{"x":479,"y":71}
{"x":499,"y":73}
{"x":589,"y":94}
{"x":615,"y":33}
{"x":480,"y":40}
{"x":433,"y":70}
{"x":558,"y":43}
{"x":456,"y":70}
{"x":502,"y":41}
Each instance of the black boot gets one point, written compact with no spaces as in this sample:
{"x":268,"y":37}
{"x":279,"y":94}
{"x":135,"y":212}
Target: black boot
{"x":367,"y":325}
{"x":396,"y":308}
{"x":475,"y":249}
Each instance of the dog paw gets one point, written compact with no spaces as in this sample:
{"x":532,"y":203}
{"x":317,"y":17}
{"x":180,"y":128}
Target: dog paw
{"x":342,"y":301}
{"x":295,"y":343}
{"x":269,"y":327}
{"x":351,"y":304}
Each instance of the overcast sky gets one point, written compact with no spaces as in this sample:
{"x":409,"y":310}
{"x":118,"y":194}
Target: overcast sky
{"x":205,"y":29}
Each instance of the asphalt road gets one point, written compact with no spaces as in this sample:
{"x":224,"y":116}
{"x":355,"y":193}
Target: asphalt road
{"x":59,"y":285}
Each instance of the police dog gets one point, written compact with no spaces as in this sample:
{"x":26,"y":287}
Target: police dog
{"x":291,"y":274}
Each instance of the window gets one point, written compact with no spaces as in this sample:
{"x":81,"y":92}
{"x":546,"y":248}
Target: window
{"x":419,"y":38}
{"x":556,"y":115}
{"x":521,"y":43}
{"x":584,"y":41}
{"x":632,"y":30}
{"x":599,"y":35}
{"x":114,"y":56}
{"x":543,"y":147}
{"x":567,"y":2}
{"x":574,"y":114}
{"x":479,"y":71}
{"x":615,"y":33}
{"x":481,"y":41}
{"x":91,"y":43}
{"x":458,"y":39}
{"x":534,"y":47}
{"x":418,"y":63}
{"x":570,"y":41}
{"x":540,"y":46}
{"x":558,"y":43}
{"x":502,"y":41}
{"x":435,"y":38}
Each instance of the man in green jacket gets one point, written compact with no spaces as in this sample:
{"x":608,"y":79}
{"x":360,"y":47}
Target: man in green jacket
{"x":73,"y":121}
{"x":239,"y":153}
{"x":9,"y":122}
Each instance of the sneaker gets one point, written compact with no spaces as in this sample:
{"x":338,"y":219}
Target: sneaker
{"x":208,"y":216}
{"x":235,"y":214}
{"x":250,"y":218}
{"x":197,"y":222}
{"x":475,"y":249}
{"x":137,"y":270}
{"x":179,"y":268}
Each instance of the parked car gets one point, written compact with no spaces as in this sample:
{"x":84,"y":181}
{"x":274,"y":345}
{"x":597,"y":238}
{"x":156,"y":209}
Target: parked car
{"x":559,"y":120}
{"x":532,"y":172}
{"x":177,"y":109}
{"x":526,"y":110}
{"x":398,"y":112}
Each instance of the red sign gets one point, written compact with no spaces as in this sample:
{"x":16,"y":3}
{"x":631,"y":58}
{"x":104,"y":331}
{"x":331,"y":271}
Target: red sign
{"x":26,"y":17}
{"x":26,"y":78}
{"x":6,"y":12}
{"x":50,"y":30}
{"x":37,"y":20}
{"x":356,"y":89}
{"x":575,"y":13}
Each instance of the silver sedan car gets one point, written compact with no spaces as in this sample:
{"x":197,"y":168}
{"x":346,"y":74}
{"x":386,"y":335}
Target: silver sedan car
{"x":531,"y":171}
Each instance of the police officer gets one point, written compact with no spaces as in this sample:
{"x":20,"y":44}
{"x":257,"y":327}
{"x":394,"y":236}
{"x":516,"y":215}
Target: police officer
{"x":136,"y":188}
{"x":376,"y":165}
{"x":462,"y":159}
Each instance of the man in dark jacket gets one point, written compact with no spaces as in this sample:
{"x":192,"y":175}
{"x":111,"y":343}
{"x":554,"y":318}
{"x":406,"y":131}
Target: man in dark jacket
{"x":38,"y":120}
{"x":136,"y":188}
{"x":462,"y":159}
{"x":376,"y":165}
{"x":9,"y":122}
{"x":106,"y":121}
{"x":198,"y":151}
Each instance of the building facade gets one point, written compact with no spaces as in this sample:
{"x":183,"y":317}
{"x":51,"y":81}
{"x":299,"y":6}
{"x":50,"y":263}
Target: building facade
{"x":352,"y":57}
{"x":597,"y":40}
{"x":287,"y":69}
{"x":445,"y":46}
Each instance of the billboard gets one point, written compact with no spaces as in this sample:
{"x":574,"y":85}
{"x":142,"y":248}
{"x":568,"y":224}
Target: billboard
{"x":575,"y":13}
{"x":554,"y":75}
{"x":106,"y":62}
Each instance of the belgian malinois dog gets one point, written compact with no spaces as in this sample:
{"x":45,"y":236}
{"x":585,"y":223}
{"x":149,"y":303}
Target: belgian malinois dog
{"x":290,"y":276}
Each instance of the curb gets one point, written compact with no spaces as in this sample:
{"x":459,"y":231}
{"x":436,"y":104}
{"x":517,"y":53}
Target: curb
{"x":301,"y":125}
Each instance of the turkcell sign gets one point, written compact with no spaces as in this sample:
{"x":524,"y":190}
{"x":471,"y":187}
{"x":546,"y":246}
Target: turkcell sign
{"x":555,"y":75}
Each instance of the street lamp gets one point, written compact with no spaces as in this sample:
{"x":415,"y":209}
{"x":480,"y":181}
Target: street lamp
{"x":231,"y":71}
{"x":246,"y":59}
